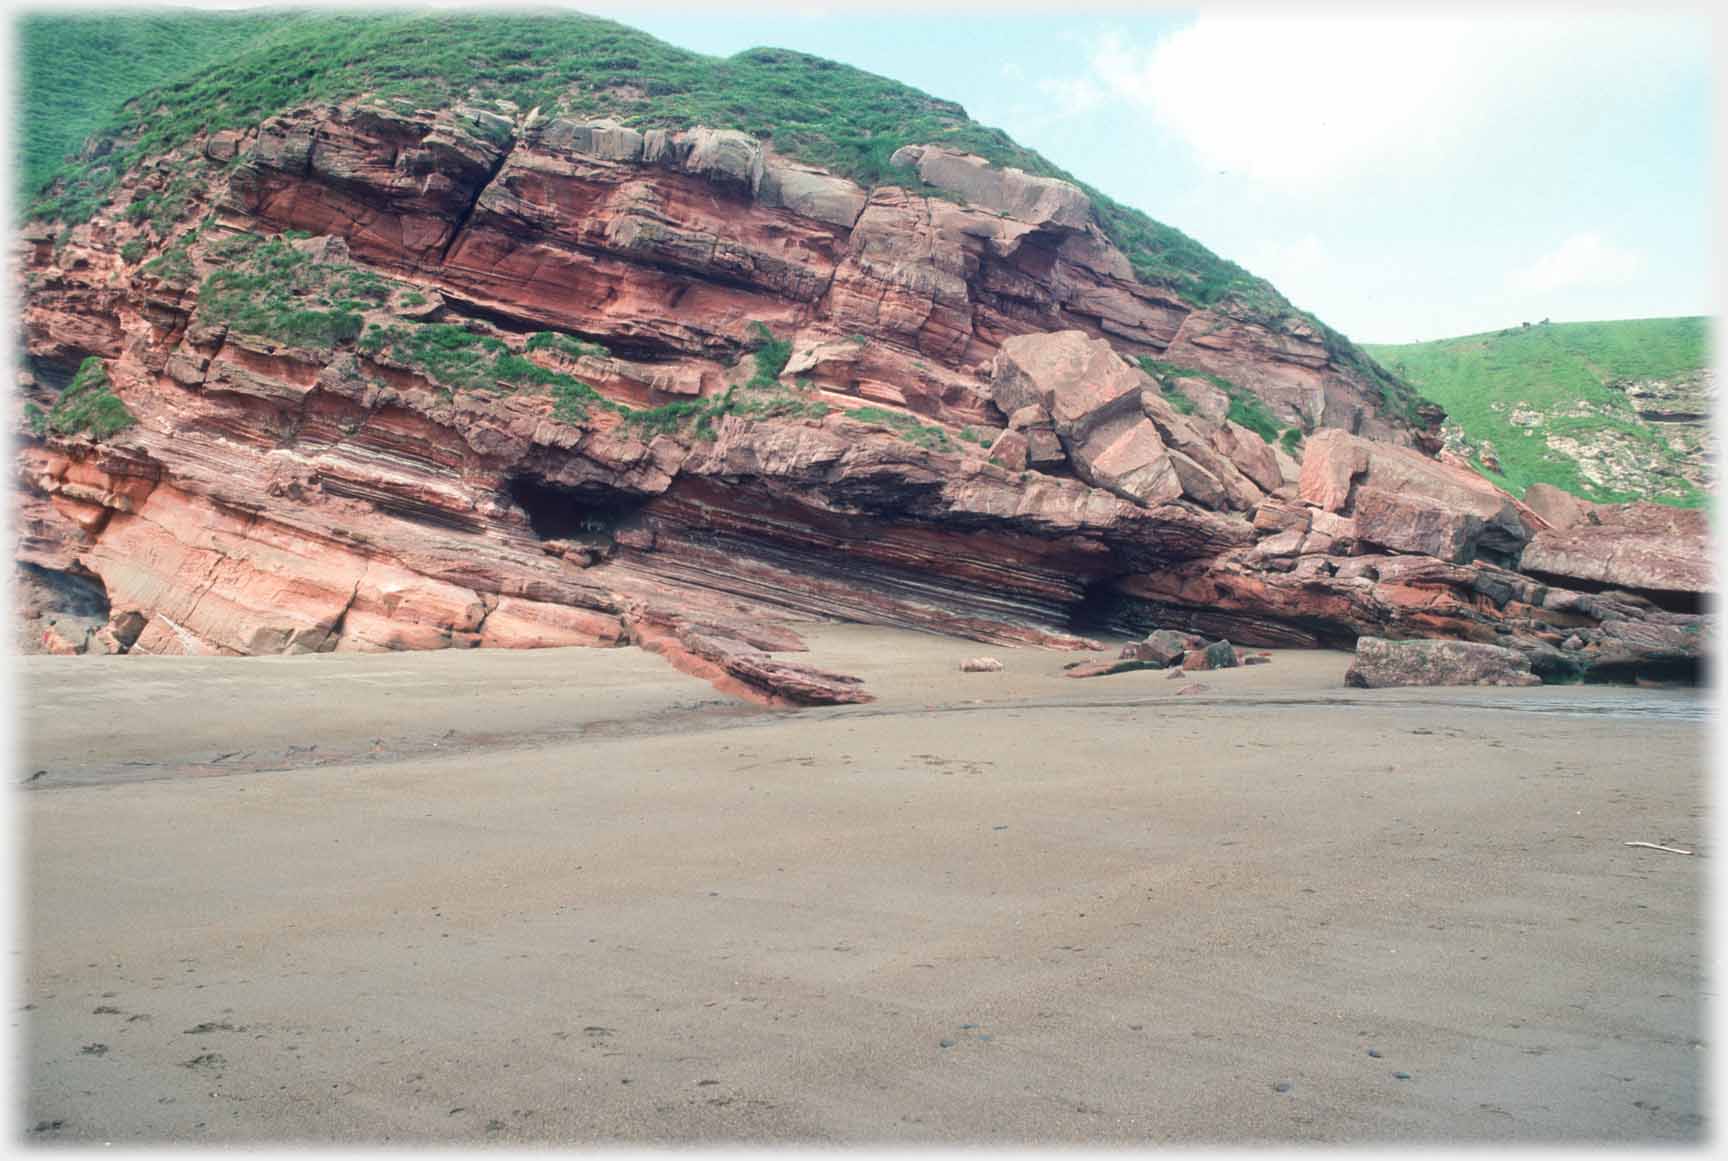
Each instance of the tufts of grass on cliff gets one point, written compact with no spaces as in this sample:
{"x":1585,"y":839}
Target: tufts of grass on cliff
{"x":276,"y":292}
{"x":1246,"y":409}
{"x":88,"y":405}
{"x":1559,"y":372}
{"x":927,"y":436}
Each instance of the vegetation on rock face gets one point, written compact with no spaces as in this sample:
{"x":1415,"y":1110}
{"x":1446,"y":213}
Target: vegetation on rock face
{"x":1539,"y":394}
{"x":929,"y":437}
{"x":459,"y":359}
{"x":564,"y":345}
{"x":276,"y":292}
{"x":86,"y":78}
{"x":87,"y":405}
{"x":173,"y":266}
{"x":1245,"y":406}
{"x":759,"y":397}
{"x":771,"y":356}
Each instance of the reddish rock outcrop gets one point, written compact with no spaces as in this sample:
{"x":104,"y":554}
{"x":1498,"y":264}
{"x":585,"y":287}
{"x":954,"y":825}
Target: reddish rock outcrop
{"x":1397,"y":498}
{"x":1659,"y":551}
{"x":1009,"y":475}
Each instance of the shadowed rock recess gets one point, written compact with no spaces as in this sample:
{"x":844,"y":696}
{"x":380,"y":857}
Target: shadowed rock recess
{"x":450,"y":379}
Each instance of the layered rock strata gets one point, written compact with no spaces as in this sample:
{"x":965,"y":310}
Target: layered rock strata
{"x":957,"y":437}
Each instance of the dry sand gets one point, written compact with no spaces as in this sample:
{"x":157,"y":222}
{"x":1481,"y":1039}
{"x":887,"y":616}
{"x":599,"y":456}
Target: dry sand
{"x":573,"y":896}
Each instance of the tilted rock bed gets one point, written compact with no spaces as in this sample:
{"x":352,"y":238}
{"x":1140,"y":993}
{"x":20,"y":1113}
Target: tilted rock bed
{"x":537,"y":383}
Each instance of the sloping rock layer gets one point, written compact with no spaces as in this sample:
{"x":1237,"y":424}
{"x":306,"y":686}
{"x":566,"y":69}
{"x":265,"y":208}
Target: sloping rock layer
{"x":548,"y":383}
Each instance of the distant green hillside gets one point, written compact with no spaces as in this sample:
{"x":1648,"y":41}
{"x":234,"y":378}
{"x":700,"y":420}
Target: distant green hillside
{"x":811,"y":109}
{"x":1543,"y":397}
{"x":78,"y":70}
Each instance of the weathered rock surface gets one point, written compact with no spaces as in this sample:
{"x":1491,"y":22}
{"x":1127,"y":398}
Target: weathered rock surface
{"x":1381,"y":664}
{"x":1029,"y":485}
{"x":1399,"y":499}
{"x":1162,"y":647}
{"x":1661,"y":551}
{"x":1215,"y":655}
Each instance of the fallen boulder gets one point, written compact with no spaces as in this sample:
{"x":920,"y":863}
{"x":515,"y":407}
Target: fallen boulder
{"x":1644,"y":547}
{"x":1093,"y":398}
{"x":1381,"y":664}
{"x":1399,"y":499}
{"x":1162,"y":647}
{"x":1217,"y":655}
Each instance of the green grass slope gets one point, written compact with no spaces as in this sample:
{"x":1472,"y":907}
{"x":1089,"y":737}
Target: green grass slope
{"x":811,"y":109}
{"x":1561,"y":372}
{"x":77,"y":71}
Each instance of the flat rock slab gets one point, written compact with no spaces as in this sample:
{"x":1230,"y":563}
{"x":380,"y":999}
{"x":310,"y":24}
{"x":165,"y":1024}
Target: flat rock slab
{"x":1381,"y":663}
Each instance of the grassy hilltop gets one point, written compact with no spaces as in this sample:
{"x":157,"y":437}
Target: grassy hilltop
{"x":152,"y":82}
{"x":145,"y":84}
{"x":1561,"y":375}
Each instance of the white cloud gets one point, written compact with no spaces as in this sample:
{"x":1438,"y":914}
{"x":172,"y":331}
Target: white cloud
{"x":1313,"y":100}
{"x":1071,"y":95}
{"x":1580,"y":261}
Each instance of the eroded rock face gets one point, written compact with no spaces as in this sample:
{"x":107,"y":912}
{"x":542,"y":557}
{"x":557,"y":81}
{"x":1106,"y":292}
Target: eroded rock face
{"x":1093,"y":399}
{"x":1027,"y":483}
{"x":1381,"y":664}
{"x":1400,"y":499}
{"x":1041,"y":201}
{"x":1645,"y":547}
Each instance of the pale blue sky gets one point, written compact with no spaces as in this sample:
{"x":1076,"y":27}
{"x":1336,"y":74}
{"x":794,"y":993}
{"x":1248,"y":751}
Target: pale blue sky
{"x":1405,"y":176}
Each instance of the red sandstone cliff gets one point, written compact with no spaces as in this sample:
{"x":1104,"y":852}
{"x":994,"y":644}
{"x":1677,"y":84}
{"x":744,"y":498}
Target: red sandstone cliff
{"x":1014,"y":476}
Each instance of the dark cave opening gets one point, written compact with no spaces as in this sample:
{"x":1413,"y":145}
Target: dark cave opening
{"x":1668,"y":600}
{"x":564,"y":512}
{"x":1661,"y":670}
{"x":48,"y":591}
{"x":55,"y":373}
{"x":1102,"y":611}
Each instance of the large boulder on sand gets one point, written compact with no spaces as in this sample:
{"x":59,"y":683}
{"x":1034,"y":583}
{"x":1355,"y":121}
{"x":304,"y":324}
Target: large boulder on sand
{"x":1162,"y":647}
{"x":1381,"y":663}
{"x":1217,"y":655}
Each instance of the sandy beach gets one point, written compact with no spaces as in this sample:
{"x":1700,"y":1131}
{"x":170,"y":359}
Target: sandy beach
{"x":573,"y":896}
